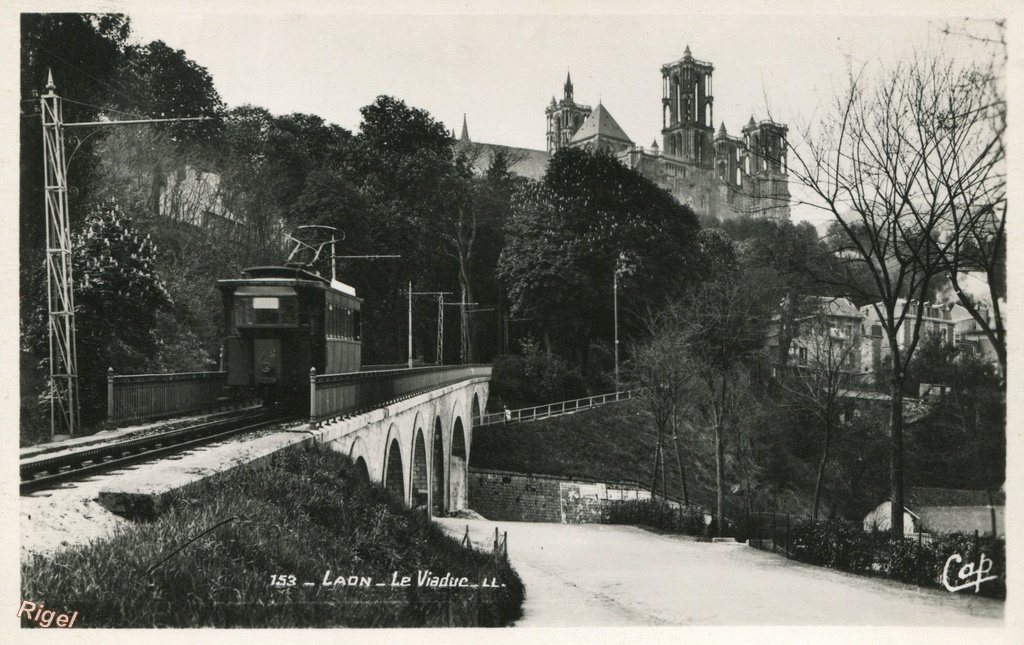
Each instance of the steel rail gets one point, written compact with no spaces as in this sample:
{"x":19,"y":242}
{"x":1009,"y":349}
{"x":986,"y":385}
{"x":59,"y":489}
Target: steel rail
{"x":84,"y":463}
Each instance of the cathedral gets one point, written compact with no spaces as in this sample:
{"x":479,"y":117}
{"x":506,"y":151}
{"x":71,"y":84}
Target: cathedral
{"x":715,"y":173}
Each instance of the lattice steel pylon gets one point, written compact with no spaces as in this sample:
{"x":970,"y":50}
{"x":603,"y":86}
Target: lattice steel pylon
{"x":440,"y":329}
{"x":64,"y":404}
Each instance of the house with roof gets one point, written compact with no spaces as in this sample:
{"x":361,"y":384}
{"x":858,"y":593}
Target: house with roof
{"x":969,"y":335}
{"x":938,"y":511}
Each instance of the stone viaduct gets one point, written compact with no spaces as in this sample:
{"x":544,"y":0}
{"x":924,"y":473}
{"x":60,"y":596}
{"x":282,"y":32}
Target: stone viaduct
{"x":417,"y":448}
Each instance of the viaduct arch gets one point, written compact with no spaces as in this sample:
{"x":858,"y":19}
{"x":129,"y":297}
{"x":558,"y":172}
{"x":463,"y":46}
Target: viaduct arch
{"x":418,"y":448}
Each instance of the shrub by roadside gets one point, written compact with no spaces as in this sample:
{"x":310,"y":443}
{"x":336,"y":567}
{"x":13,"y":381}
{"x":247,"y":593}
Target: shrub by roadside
{"x":657,"y":514}
{"x":844,"y":545}
{"x":307,"y":514}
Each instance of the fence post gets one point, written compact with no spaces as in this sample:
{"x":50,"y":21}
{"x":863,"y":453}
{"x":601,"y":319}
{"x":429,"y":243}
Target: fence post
{"x":787,"y":536}
{"x":110,"y":393}
{"x":312,"y":397}
{"x":918,"y":557}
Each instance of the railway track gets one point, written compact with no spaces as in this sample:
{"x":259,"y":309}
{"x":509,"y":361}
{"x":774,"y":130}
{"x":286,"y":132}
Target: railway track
{"x":40,"y":473}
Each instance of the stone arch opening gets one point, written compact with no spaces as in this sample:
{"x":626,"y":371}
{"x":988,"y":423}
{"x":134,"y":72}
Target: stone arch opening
{"x":393,"y":471}
{"x":437,"y":491}
{"x":418,"y":486}
{"x":361,"y":469}
{"x":458,"y":469}
{"x":476,"y":410}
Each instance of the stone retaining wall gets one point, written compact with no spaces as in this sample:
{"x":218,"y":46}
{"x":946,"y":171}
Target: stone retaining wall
{"x":526,"y":497}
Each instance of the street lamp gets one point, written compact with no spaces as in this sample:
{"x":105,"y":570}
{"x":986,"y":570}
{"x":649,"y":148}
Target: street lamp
{"x":622,"y":267}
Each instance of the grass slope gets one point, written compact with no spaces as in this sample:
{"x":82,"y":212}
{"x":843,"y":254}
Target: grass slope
{"x":307,"y":513}
{"x":612,"y":442}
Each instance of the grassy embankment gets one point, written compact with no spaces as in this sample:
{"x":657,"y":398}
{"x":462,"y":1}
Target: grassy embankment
{"x":611,"y":442}
{"x":614,"y":442}
{"x":306,"y":514}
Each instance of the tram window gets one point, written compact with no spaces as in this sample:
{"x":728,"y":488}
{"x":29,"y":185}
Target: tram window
{"x":341,"y":322}
{"x":261,"y":310}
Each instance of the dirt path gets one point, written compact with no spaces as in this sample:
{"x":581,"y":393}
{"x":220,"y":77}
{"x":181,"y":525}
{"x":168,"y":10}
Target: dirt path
{"x":584,"y":575}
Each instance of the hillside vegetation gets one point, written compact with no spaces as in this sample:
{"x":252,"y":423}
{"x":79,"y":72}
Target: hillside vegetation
{"x":309,"y":515}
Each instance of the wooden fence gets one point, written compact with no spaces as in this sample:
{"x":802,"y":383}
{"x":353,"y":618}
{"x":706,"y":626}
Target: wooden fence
{"x":136,"y":397}
{"x":336,"y":395}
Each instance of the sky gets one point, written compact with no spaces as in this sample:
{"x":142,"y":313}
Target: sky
{"x":500,"y":71}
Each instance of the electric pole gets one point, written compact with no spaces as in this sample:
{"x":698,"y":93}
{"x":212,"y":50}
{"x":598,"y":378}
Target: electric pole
{"x":463,"y":317}
{"x":64,"y":418}
{"x":440,"y":318}
{"x":64,"y":403}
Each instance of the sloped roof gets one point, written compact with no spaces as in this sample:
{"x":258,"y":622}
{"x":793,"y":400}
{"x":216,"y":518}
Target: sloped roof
{"x":837,"y":306}
{"x":600,"y":123}
{"x":525,"y":162}
{"x":922,"y":497}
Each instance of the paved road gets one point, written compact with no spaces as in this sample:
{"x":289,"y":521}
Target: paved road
{"x":600,"y":575}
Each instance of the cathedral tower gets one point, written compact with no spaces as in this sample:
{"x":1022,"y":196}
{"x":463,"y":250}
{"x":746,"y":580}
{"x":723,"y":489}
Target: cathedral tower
{"x":564,"y":118}
{"x":687,"y":113}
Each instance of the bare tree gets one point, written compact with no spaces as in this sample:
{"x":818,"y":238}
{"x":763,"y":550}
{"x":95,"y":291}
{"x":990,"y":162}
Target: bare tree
{"x":660,"y":368}
{"x":970,"y":141}
{"x":883,"y":163}
{"x":724,"y":322}
{"x":822,"y":373}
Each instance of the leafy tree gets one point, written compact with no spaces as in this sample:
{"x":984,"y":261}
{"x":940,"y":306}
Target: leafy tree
{"x":566,"y":235}
{"x":84,"y":53}
{"x":962,"y":443}
{"x":534,"y":377}
{"x":163,"y":82}
{"x":118,"y":300}
{"x":799,"y":261}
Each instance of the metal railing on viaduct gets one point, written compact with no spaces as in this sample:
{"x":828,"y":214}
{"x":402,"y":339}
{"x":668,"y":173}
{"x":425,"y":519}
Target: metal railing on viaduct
{"x":138,"y":397}
{"x":332,"y":396}
{"x":554,"y":409}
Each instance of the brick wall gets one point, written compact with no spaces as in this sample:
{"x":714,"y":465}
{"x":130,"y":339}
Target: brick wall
{"x":525,"y":497}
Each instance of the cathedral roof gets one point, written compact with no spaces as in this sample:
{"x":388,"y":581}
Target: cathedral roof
{"x":524,"y":162}
{"x":600,"y":123}
{"x":465,"y":130}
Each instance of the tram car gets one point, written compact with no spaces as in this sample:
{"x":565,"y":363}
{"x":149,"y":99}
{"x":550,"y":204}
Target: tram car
{"x":280,"y":321}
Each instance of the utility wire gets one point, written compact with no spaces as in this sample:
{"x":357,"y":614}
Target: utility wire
{"x":106,"y":109}
{"x":123,"y":92}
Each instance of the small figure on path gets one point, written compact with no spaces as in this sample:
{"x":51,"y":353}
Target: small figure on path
{"x":508,"y":414}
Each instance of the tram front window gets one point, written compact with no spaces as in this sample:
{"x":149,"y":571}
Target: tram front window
{"x":263,"y":310}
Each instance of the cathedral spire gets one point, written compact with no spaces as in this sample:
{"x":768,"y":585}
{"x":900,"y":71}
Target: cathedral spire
{"x":568,"y":86}
{"x":465,"y":129}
